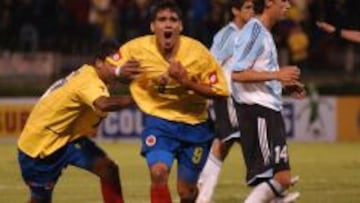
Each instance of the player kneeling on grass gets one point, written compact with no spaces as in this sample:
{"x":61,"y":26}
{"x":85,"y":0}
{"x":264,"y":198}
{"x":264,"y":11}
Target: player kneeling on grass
{"x":58,"y":131}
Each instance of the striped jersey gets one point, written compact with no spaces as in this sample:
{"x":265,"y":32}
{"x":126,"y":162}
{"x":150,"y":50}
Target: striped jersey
{"x":223,"y":46}
{"x":255,"y":49}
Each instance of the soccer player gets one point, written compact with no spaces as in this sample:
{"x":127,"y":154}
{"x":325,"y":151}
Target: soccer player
{"x":58,"y":130}
{"x":257,"y":93}
{"x":178,"y":76}
{"x":351,"y":35}
{"x":226,"y":125}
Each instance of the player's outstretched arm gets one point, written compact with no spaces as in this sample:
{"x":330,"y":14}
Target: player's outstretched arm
{"x":178,"y":73}
{"x":286,"y":75}
{"x":351,"y":35}
{"x":112,"y":103}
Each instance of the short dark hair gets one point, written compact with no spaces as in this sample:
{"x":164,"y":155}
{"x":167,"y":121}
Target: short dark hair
{"x":162,"y":5}
{"x":237,"y":3}
{"x":259,"y":6}
{"x":106,"y":48}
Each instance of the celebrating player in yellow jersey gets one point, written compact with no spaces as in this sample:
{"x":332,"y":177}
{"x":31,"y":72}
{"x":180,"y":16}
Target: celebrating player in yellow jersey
{"x":178,"y":76}
{"x":57,"y":132}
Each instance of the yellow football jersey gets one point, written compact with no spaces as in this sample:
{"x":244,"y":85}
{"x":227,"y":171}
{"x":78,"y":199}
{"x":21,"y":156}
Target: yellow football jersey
{"x":64,"y":113}
{"x":157,"y":94}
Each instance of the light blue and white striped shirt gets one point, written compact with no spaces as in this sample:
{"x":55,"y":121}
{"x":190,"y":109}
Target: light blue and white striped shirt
{"x":223,"y":47}
{"x":254,"y":48}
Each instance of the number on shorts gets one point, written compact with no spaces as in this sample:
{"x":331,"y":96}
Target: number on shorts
{"x":198,"y":152}
{"x":281,"y":153}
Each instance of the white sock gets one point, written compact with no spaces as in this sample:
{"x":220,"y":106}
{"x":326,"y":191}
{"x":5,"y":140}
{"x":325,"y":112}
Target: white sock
{"x":264,"y":193}
{"x":208,"y":179}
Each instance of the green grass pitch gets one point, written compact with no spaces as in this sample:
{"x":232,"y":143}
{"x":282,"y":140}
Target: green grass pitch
{"x":330,"y":173}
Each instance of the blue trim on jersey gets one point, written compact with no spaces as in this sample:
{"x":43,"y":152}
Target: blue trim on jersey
{"x":224,"y":38}
{"x":223,"y":43}
{"x":254,"y":36}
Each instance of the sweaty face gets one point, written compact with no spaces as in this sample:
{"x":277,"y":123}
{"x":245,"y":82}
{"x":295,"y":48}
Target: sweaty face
{"x":167,"y":28}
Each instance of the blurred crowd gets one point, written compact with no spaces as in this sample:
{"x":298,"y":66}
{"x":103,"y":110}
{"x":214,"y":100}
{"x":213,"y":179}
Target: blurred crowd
{"x":76,"y":26}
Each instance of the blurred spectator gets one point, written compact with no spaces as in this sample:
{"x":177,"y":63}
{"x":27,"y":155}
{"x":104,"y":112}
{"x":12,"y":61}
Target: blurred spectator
{"x":208,"y":16}
{"x":348,"y":34}
{"x":134,"y":19}
{"x":28,"y":38}
{"x":103,"y":15}
{"x":214,"y":20}
{"x":25,"y":19}
{"x":65,"y":23}
{"x":198,"y":10}
{"x":83,"y":35}
{"x":298,"y":44}
{"x":74,"y":26}
{"x":6,"y":25}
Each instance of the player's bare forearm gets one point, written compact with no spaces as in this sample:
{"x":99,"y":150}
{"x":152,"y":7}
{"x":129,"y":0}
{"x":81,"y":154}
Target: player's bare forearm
{"x":113,"y":103}
{"x":251,"y":76}
{"x":202,"y":89}
{"x":286,"y":75}
{"x":351,"y":35}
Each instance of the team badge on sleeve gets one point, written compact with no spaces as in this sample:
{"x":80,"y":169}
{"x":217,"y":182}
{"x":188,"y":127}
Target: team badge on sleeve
{"x":114,"y":59}
{"x":150,"y":140}
{"x":116,"y":56}
{"x":213,"y":78}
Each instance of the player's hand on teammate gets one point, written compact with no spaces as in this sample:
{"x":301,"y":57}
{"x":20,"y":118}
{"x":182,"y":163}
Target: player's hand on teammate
{"x":130,"y":70}
{"x":288,"y":75}
{"x":326,"y":26}
{"x":177,"y":72}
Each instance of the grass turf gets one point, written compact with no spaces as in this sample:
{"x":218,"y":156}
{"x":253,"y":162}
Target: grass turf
{"x":330,"y":173}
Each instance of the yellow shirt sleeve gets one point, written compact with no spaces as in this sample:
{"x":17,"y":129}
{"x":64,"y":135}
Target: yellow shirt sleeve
{"x":213,"y":76}
{"x":124,"y":54}
{"x":90,"y":92}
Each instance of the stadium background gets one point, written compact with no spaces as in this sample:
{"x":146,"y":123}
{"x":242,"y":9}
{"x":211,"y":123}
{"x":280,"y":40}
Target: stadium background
{"x":41,"y":41}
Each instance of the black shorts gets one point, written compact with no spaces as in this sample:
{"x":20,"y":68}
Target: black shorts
{"x":263,"y":142}
{"x":226,"y":124}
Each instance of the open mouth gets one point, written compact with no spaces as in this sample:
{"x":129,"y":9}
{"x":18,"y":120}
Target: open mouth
{"x":167,"y":34}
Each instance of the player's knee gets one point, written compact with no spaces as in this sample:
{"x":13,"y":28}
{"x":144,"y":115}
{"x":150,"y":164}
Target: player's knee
{"x":113,"y":169}
{"x":159,"y":173}
{"x":220,"y":149}
{"x":107,"y":169}
{"x":187,"y":194}
{"x":283,"y":178}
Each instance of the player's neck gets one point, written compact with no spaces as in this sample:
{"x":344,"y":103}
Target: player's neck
{"x":239,"y":23}
{"x":169,"y":53}
{"x":267,"y":20}
{"x":102,"y":76}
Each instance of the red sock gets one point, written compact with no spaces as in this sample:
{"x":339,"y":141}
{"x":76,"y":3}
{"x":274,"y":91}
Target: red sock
{"x":160,"y":194}
{"x":111,"y":192}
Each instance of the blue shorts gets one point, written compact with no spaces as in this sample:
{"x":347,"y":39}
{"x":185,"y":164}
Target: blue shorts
{"x":163,"y":141}
{"x":41,"y":174}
